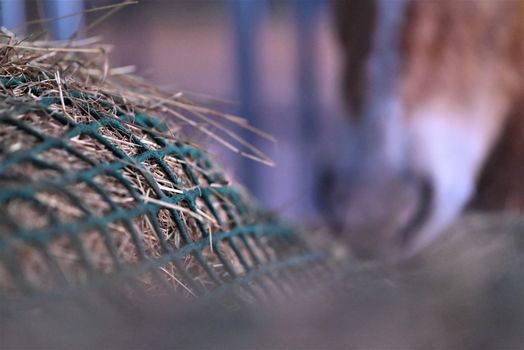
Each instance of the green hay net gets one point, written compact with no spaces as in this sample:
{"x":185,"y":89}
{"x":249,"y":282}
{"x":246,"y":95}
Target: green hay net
{"x":92,"y":191}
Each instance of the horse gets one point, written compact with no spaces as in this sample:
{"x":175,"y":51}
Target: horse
{"x":434,"y":91}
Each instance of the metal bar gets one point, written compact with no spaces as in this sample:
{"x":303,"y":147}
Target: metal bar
{"x":65,"y":28}
{"x":307,"y":12}
{"x":247,"y":17}
{"x":13,"y":15}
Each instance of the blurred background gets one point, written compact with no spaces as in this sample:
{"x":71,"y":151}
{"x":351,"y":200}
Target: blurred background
{"x":273,"y":62}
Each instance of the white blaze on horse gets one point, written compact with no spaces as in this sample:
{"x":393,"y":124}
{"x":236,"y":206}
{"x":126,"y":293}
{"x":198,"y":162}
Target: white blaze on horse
{"x":435,"y":91}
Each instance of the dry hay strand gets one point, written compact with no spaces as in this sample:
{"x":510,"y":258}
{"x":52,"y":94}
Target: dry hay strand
{"x":90,"y":185}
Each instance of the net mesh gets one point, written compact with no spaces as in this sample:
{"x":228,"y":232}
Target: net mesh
{"x":92,"y":191}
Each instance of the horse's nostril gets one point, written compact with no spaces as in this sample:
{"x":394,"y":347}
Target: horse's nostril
{"x":385,"y":215}
{"x":379,"y":215}
{"x":422,"y":213}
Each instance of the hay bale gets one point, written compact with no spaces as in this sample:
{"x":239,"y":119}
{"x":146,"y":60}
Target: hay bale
{"x":97,"y":185}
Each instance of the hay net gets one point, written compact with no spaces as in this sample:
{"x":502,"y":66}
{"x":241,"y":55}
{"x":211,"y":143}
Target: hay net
{"x":96,"y":188}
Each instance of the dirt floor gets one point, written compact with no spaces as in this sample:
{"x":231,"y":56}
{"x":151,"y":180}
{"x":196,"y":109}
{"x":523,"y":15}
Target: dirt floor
{"x":465,"y":292}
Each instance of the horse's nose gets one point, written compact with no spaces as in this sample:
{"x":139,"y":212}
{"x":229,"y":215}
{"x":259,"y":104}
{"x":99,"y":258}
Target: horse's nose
{"x":379,"y":216}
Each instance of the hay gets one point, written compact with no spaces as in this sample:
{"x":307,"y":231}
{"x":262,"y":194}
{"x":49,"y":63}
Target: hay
{"x":50,"y":90}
